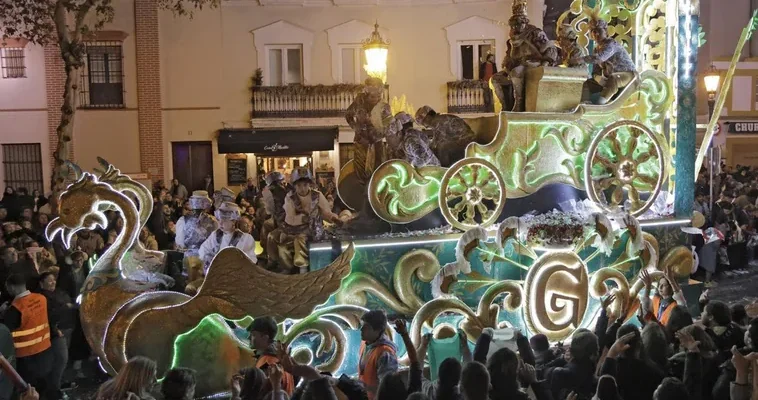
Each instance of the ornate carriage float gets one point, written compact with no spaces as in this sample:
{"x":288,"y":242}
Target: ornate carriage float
{"x":616,"y":152}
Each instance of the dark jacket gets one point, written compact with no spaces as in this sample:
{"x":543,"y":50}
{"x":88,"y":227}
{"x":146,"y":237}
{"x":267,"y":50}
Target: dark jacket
{"x":58,"y":303}
{"x":732,"y":336}
{"x":70,"y":281}
{"x":9,"y":352}
{"x":636,"y":379}
{"x":578,"y":377}
{"x":511,"y":392}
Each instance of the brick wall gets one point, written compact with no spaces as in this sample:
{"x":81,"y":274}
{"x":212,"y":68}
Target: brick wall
{"x":149,"y":87}
{"x":55,"y":81}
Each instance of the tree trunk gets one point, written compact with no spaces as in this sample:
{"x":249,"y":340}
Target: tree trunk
{"x":65,"y":128}
{"x":64,"y":132}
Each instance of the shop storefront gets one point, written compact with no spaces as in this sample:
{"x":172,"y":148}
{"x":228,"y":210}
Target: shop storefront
{"x":741,"y":142}
{"x":256,"y":152}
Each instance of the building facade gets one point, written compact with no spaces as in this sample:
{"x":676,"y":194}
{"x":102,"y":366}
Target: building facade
{"x":737,"y":137}
{"x":163,"y":96}
{"x":158,"y":90}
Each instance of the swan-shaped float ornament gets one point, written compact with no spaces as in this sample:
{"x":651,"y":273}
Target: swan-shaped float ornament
{"x":123,"y":318}
{"x":141,"y":264}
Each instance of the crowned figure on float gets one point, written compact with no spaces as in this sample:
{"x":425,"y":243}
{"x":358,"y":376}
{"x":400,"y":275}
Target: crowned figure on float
{"x":528,"y":46}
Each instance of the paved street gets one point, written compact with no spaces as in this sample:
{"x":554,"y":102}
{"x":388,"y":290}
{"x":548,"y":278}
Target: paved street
{"x":739,"y":289}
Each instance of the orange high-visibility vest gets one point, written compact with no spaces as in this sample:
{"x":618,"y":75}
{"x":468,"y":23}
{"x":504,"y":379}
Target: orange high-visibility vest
{"x":33,"y":336}
{"x":663,"y":318}
{"x":288,"y":381}
{"x":367,"y":367}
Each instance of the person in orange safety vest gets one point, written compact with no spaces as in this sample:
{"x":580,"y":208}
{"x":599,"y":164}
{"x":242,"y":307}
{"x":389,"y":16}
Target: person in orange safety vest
{"x":666,"y":298}
{"x":263,"y":332}
{"x":378,"y":355}
{"x":27,"y":319}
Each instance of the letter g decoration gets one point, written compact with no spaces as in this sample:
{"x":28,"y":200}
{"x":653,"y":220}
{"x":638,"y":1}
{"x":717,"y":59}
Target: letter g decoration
{"x":557,"y":288}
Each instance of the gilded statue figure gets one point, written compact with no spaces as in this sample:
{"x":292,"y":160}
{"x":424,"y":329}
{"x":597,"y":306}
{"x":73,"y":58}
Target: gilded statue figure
{"x":572,"y":55}
{"x":369,"y":149}
{"x":404,"y":142}
{"x":528,"y":46}
{"x":615,"y":62}
{"x":450,"y":134}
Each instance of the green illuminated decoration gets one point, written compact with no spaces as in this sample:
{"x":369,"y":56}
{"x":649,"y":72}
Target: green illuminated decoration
{"x":329,"y":324}
{"x":212,"y":349}
{"x":626,"y":157}
{"x":620,"y":14}
{"x":401,"y":194}
{"x":472,"y":193}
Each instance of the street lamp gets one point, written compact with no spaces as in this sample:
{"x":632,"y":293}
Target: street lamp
{"x":376,"y":50}
{"x":712,"y":81}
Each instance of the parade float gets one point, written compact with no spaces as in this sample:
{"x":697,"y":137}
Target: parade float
{"x":489,"y":265}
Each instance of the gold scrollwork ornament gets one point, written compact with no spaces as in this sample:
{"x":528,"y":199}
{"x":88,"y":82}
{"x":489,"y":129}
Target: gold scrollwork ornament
{"x":423,"y":263}
{"x":472,"y":193}
{"x":473,"y":323}
{"x":557,"y":294}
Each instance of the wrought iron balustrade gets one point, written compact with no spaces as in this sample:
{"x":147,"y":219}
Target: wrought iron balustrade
{"x":468,"y":97}
{"x":298,"y":101}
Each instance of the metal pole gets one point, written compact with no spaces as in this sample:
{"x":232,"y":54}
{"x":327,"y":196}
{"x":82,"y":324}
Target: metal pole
{"x":685,"y":156}
{"x":711,"y":106}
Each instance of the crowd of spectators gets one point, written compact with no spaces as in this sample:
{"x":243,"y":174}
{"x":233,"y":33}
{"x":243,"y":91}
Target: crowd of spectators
{"x":732,"y":212}
{"x":58,"y":273}
{"x":713,"y":357}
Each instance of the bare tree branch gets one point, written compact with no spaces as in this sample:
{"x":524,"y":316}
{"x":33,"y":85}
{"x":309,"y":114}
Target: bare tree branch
{"x":47,"y":22}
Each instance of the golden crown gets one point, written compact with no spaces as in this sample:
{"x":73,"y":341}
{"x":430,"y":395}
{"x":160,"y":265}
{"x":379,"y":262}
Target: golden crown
{"x":519,"y":7}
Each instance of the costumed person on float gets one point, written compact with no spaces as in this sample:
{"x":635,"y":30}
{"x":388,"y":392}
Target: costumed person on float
{"x":616,"y":63}
{"x":527,"y":47}
{"x":191,"y":231}
{"x":378,"y":354}
{"x":667,"y":297}
{"x":227,"y":235}
{"x":305,"y":210}
{"x":273,"y":201}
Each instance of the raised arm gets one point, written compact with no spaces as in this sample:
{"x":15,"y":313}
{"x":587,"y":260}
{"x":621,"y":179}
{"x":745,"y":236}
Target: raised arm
{"x":645,"y":293}
{"x":483,"y":345}
{"x":414,"y":383}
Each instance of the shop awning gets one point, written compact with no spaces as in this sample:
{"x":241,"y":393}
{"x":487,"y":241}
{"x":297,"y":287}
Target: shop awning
{"x":276,"y":141}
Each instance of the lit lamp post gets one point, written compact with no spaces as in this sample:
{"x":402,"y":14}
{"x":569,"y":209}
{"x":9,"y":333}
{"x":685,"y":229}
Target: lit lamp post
{"x":712,"y":80}
{"x":376,"y":49}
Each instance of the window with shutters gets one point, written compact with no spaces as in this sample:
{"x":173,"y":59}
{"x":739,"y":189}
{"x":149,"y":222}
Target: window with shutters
{"x":103,"y":78}
{"x":285,"y":65}
{"x":12,"y":62}
{"x":22,"y":166}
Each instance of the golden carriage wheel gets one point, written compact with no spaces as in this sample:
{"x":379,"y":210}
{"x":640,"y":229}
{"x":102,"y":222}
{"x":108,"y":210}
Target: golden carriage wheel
{"x":626,"y":156}
{"x":472,"y":193}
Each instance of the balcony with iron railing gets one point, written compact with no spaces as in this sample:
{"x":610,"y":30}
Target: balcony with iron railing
{"x":469,"y":97}
{"x":299,"y":101}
